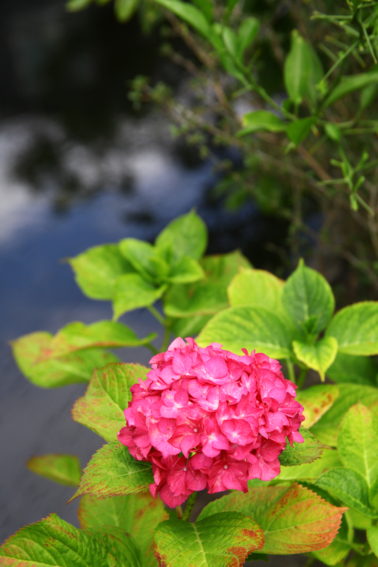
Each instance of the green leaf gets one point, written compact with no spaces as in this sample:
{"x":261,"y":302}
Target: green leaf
{"x":308,"y":299}
{"x":54,"y":542}
{"x":350,"y":84}
{"x":261,"y":120}
{"x":258,"y":288}
{"x":300,"y":453}
{"x":248,"y":327}
{"x":142,"y":256}
{"x":64,"y":469}
{"x":125,"y":9}
{"x":348,"y":487}
{"x":112,"y":471}
{"x":327,"y":428}
{"x":316,"y":401}
{"x":318,"y":356}
{"x":133,"y":292}
{"x":356,"y":328}
{"x":189,"y":326}
{"x":32,"y":354}
{"x":77,"y":336}
{"x":108,"y":395}
{"x":221,"y":540}
{"x":310,"y":472}
{"x":372,"y":537}
{"x":189,"y":14}
{"x":185,"y":271}
{"x":138,"y":514}
{"x":294,"y":519}
{"x":299,"y":129}
{"x":302,"y":70}
{"x":206,"y":7}
{"x":354,"y":369}
{"x":208,"y":295}
{"x":185,"y":236}
{"x":247,"y":32}
{"x":97,"y":269}
{"x":358,"y":443}
{"x":76,"y":5}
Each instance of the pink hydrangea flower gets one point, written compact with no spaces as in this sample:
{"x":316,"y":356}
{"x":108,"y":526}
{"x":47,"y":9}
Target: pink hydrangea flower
{"x":206,"y":418}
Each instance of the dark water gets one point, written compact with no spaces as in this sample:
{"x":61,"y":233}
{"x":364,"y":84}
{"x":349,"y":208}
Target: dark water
{"x":78,"y":169}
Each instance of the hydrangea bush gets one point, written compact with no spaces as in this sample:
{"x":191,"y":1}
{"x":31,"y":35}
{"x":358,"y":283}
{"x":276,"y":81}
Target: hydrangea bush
{"x":269,"y":406}
{"x":208,"y":419}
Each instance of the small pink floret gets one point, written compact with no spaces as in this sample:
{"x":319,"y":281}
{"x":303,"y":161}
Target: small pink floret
{"x":206,"y":418}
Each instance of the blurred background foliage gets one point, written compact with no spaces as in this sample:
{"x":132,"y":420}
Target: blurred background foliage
{"x":282,"y":96}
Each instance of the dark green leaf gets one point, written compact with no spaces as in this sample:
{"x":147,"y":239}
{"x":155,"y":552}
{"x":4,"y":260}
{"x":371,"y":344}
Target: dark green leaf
{"x":299,"y":129}
{"x":354,"y":369}
{"x":300,"y":453}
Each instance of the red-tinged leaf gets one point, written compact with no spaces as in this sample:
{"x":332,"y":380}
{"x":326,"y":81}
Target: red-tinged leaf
{"x":294,"y":519}
{"x":138,"y":514}
{"x":56,"y":543}
{"x":316,"y":401}
{"x":108,"y":394}
{"x":112,"y":471}
{"x":32,"y":353}
{"x":220,"y":540}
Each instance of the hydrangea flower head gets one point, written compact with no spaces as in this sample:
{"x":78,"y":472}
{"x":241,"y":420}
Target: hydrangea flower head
{"x":206,"y":418}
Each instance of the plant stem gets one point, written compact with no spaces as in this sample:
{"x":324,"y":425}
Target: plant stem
{"x":302,"y":378}
{"x":152,"y":348}
{"x":156,"y":314}
{"x":166,"y":337}
{"x":290,"y":370}
{"x":189,"y":506}
{"x":179,"y":512}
